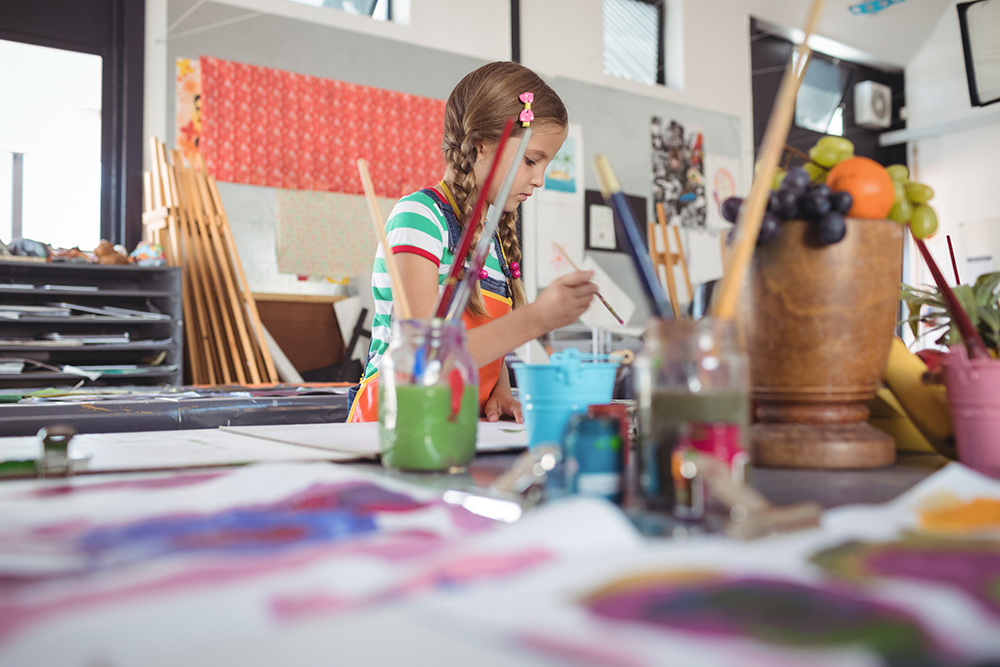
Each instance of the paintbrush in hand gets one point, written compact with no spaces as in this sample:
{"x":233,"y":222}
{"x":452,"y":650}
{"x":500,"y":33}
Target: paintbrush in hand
{"x":565,"y":255}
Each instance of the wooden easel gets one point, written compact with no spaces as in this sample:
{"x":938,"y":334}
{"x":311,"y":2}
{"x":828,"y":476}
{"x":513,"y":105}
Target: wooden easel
{"x":667,"y":258}
{"x":224,"y":338}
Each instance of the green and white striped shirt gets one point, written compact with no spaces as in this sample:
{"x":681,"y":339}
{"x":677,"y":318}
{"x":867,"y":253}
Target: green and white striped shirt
{"x":416,"y":225}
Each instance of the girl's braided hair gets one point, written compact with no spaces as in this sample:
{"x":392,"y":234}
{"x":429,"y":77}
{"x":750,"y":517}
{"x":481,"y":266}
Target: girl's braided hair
{"x":476,"y":112}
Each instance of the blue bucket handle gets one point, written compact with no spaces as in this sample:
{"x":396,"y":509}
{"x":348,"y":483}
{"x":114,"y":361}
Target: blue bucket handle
{"x":569,"y":361}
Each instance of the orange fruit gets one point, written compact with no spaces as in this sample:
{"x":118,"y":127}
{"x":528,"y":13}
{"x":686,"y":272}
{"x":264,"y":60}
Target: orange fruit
{"x":869,"y":184}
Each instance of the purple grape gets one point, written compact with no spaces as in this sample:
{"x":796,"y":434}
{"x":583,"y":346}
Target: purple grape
{"x":831,"y":228}
{"x":770,"y":227}
{"x":786,"y":203}
{"x":815,"y":203}
{"x":796,"y":180}
{"x":730,"y":208}
{"x":841,"y":202}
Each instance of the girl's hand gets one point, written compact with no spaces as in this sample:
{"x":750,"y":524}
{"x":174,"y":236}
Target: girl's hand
{"x":502,"y":404}
{"x":565,"y":299}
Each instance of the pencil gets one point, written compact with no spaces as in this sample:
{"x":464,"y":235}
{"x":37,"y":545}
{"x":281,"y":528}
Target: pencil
{"x":562,"y":251}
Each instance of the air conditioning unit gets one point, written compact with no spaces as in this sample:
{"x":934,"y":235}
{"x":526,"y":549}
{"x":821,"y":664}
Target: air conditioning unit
{"x":872,"y":105}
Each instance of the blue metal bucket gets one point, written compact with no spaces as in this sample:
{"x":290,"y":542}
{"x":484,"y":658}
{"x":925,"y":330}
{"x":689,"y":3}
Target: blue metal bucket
{"x":551,"y":393}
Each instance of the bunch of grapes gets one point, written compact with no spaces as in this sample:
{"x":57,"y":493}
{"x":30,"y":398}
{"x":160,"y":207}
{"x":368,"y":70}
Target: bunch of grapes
{"x":910,"y":203}
{"x":798,"y":198}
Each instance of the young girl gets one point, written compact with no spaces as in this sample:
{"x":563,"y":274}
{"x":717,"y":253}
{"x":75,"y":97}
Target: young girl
{"x":424,"y":230}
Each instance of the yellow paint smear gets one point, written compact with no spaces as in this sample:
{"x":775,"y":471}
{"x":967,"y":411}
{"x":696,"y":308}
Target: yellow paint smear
{"x":973,"y":515}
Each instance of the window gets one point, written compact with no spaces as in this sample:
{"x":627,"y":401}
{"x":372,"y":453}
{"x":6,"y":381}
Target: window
{"x":50,"y":145}
{"x":633,"y":40}
{"x":380,"y":10}
{"x":818,"y":104}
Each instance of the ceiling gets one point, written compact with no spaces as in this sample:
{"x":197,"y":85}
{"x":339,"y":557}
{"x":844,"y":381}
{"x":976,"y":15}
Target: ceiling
{"x":888,"y":38}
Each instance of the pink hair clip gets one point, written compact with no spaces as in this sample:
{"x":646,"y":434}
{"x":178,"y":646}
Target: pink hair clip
{"x":527,"y":115}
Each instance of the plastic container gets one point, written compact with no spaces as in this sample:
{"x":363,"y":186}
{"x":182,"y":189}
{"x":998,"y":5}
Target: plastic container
{"x":974,"y":400}
{"x":552,"y":393}
{"x":428,"y":397}
{"x":593,"y":457}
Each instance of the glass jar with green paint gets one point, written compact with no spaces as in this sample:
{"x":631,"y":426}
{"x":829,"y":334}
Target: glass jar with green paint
{"x":428,"y":397}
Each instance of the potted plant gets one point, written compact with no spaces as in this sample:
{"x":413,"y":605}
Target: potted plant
{"x":980,"y":301}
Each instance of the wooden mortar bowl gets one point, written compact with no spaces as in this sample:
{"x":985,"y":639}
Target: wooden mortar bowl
{"x":819,"y":322}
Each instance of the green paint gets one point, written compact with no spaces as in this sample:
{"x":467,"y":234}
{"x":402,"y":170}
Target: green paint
{"x":423,"y":437}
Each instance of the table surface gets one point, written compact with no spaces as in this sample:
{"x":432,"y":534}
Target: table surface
{"x":781,"y":486}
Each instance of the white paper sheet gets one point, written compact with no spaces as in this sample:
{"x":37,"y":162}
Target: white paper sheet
{"x":161,"y":450}
{"x":361,"y":440}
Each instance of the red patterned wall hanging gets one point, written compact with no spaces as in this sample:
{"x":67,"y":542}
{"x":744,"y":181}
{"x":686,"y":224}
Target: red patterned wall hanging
{"x":263,"y":126}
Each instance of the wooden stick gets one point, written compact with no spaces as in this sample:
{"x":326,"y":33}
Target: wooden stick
{"x":249,"y":303}
{"x":398,"y":291}
{"x":668,"y":265}
{"x":562,"y":251}
{"x":775,"y":136}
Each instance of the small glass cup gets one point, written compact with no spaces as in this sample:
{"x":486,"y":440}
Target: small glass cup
{"x":692,"y":382}
{"x":428,"y":397}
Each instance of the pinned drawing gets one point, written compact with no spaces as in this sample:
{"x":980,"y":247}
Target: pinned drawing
{"x":560,"y":175}
{"x":679,"y":171}
{"x":721,"y":173}
{"x":187,"y":114}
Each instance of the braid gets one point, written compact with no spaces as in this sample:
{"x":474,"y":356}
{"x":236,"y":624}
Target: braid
{"x":466,"y":190}
{"x":512,"y":250}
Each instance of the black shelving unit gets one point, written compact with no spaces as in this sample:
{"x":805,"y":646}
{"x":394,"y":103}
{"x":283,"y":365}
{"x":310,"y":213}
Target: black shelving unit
{"x":154,"y":290}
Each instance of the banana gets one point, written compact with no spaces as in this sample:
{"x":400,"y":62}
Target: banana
{"x":888,"y":416}
{"x":925,"y":404}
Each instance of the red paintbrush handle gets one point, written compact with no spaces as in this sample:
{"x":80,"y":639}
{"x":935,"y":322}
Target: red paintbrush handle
{"x":451,"y":284}
{"x":973,"y":341}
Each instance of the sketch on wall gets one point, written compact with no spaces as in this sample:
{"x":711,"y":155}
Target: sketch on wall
{"x":679,"y":171}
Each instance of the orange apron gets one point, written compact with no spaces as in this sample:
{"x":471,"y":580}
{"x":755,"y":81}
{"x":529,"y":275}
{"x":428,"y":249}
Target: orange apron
{"x":365,"y":407}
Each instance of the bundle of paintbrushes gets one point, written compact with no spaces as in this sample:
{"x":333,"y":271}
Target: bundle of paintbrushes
{"x":451,"y":283}
{"x":482,"y":251}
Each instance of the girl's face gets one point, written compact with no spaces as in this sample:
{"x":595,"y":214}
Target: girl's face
{"x":546,"y":139}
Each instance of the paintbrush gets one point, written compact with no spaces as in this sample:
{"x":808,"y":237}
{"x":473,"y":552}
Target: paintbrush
{"x":482,"y":251}
{"x":615,"y":198}
{"x":751,"y":515}
{"x":973,"y":341}
{"x":398,"y":291}
{"x":451,"y":283}
{"x":775,"y":136}
{"x":954,"y":264}
{"x":565,"y":255}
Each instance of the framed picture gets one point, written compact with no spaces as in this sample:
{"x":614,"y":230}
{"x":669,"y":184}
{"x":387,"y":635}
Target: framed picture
{"x":602,"y":231}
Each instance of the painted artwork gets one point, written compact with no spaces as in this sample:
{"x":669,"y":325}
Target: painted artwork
{"x":187,"y":114}
{"x":721,"y":176}
{"x":970,"y":565}
{"x":679,"y":172}
{"x":263,"y":126}
{"x":772,"y":611}
{"x":561,"y":173}
{"x":325,"y":233}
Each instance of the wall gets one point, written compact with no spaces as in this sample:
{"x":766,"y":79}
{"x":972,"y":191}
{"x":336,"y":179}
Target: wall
{"x":960,"y":164}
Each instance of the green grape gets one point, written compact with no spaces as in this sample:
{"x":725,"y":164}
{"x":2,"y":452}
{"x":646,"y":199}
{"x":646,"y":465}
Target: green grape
{"x":839,"y":144}
{"x":899,"y":192}
{"x":779,"y":176}
{"x":923,"y":222}
{"x":824,"y":156}
{"x":817,"y":174}
{"x":898,"y":172}
{"x":919,"y":193}
{"x":901,"y":211}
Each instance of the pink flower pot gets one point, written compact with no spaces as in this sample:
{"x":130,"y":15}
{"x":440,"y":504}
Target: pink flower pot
{"x":974,"y":399}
